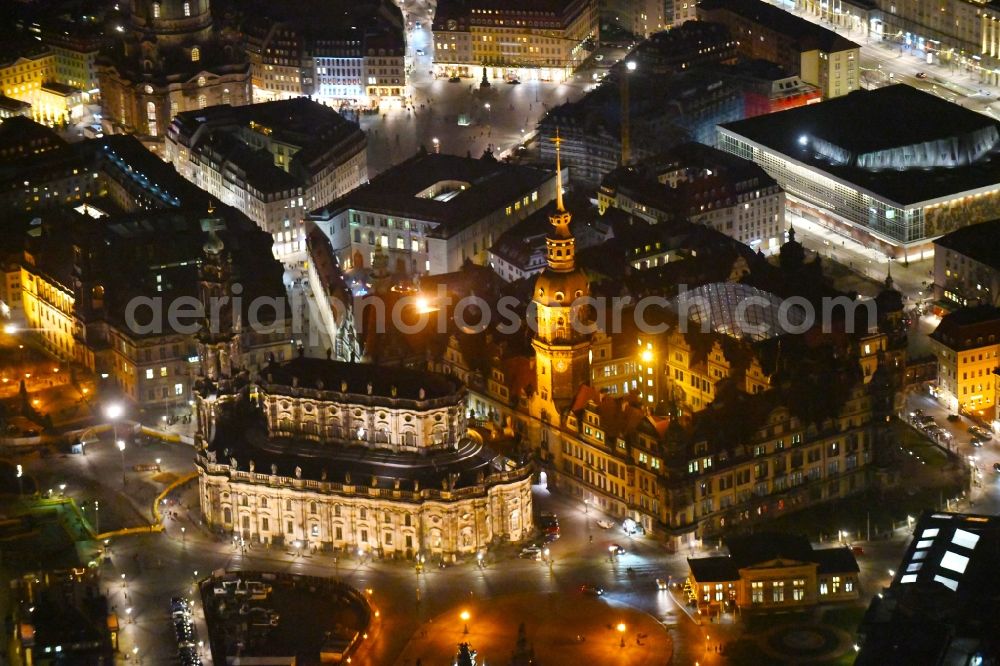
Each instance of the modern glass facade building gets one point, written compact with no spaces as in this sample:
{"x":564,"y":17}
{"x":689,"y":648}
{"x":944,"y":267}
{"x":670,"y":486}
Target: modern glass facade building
{"x":892,"y":168}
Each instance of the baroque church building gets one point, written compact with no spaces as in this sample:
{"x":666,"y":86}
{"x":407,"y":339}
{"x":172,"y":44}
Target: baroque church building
{"x":169,"y":58}
{"x":344,"y":456}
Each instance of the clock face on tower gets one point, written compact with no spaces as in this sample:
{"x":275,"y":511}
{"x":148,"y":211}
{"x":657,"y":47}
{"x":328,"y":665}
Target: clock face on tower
{"x":560,"y":366}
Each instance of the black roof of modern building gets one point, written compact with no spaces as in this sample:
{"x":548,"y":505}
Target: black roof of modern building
{"x":809,"y":35}
{"x":756,"y":549}
{"x":979,"y":242}
{"x":470,"y":189}
{"x":944,"y":600}
{"x":873,"y":139}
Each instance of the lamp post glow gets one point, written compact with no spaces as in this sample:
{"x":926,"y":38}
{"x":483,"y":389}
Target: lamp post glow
{"x":121,"y":448}
{"x":621,"y":633}
{"x":465,"y":618}
{"x":437,"y":145}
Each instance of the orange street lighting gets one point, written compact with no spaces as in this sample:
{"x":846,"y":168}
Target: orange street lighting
{"x":621,"y":632}
{"x":465,"y":618}
{"x":647,"y":356}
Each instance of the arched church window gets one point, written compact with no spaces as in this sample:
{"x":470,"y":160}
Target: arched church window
{"x":187,"y":9}
{"x":196,"y":55}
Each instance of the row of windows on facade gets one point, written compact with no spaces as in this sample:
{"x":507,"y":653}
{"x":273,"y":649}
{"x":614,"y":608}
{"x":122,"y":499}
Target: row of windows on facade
{"x":157,"y":9}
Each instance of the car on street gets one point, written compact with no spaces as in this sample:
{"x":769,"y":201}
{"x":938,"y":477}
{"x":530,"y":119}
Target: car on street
{"x":420,"y":52}
{"x":592,"y":590}
{"x":661,"y":584}
{"x":981,"y":433}
{"x":455,"y":79}
{"x":616,"y":549}
{"x":858,"y":550}
{"x":532,"y":552}
{"x":976,"y":442}
{"x":921,"y":75}
{"x":996,"y":467}
{"x":605,"y":524}
{"x":551,"y":536}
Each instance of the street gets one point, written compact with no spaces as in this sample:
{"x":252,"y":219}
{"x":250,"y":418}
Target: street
{"x":160,"y":566}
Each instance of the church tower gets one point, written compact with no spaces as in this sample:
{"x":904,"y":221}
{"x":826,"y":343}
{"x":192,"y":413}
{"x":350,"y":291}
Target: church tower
{"x":561,"y":343}
{"x":219,"y":337}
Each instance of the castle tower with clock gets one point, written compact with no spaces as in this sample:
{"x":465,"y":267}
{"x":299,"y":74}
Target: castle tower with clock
{"x":561,"y":342}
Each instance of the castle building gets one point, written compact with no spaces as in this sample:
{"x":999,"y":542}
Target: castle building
{"x":169,"y":59}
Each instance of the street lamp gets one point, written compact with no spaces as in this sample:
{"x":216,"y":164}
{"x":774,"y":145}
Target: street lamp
{"x":465,"y":618}
{"x":489,"y":111}
{"x":128,"y":612}
{"x":621,"y":633}
{"x":183,"y":534}
{"x":62,"y":489}
{"x":121,"y":449}
{"x":437,"y":145}
{"x":113,"y":411}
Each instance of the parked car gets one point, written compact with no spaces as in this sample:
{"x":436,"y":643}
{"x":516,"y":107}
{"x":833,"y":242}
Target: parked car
{"x":531,"y":552}
{"x":921,"y":75}
{"x":551,"y":536}
{"x":976,"y":442}
{"x":593,"y":590}
{"x":661,"y":584}
{"x":605,"y":524}
{"x":420,"y":52}
{"x":981,"y":433}
{"x":857,"y":550}
{"x":454,"y":79}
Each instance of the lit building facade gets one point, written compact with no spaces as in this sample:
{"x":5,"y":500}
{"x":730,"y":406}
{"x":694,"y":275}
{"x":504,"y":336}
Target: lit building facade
{"x":967,"y":266}
{"x":145,"y":82}
{"x":860,"y":182}
{"x":772,"y":573}
{"x":967,"y":346}
{"x":432,"y":490}
{"x":273,"y":161}
{"x":433,"y":212}
{"x":820,"y":56}
{"x":517,"y":40}
{"x":705,"y":186}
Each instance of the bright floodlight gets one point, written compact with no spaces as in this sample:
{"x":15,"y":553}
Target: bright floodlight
{"x":647,"y":356}
{"x":10,"y":329}
{"x":630,"y":65}
{"x":803,"y":140}
{"x":113,"y":411}
{"x":121,"y":444}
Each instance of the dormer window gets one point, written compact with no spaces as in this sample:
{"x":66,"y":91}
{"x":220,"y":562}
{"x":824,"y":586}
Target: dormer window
{"x":195,"y":54}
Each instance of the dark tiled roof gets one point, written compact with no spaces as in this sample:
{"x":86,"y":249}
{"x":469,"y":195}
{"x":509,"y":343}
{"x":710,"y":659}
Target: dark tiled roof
{"x":408,"y":383}
{"x":810,"y":35}
{"x":755,"y":549}
{"x":835,"y":560}
{"x":493,"y":185}
{"x":873,"y":120}
{"x":979,"y":242}
{"x":968,"y":328}
{"x":713,"y":569}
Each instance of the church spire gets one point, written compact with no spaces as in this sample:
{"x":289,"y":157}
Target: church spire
{"x":559,"y":199}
